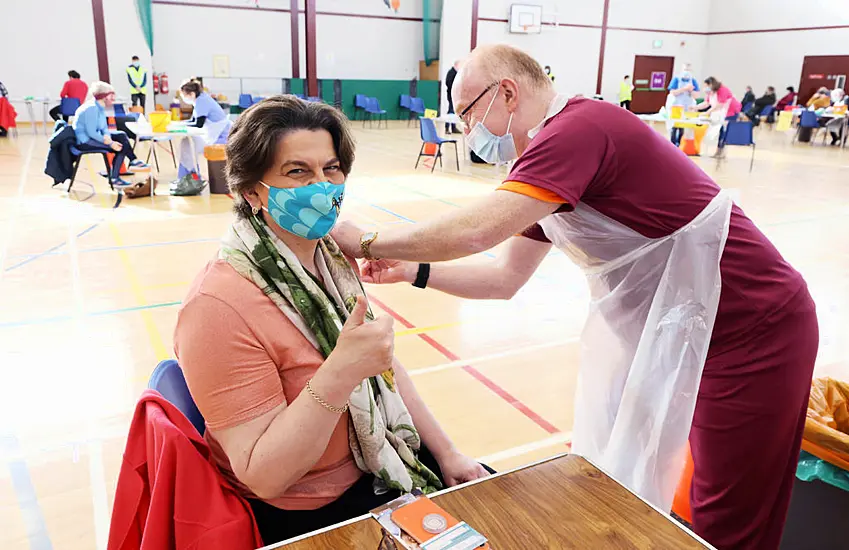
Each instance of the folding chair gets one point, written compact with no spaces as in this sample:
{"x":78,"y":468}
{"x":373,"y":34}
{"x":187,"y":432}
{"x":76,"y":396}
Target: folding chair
{"x":430,"y":135}
{"x":168,"y":380}
{"x":740,"y":133}
{"x":373,"y":108}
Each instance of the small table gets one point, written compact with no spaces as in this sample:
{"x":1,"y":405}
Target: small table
{"x":452,"y":118}
{"x":45,"y":103}
{"x":561,"y":502}
{"x":844,"y":126}
{"x":146,"y":131}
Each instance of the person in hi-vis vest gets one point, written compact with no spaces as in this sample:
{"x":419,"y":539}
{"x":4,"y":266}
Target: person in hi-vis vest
{"x":138,"y":82}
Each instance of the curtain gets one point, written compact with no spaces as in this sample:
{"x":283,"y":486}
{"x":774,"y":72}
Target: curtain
{"x":431,"y":15}
{"x":145,"y":13}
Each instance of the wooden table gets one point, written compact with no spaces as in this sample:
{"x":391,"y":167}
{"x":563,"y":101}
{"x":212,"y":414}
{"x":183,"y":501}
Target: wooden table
{"x":563,"y":502}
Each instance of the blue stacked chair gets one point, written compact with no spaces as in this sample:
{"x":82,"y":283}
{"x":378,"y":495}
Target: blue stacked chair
{"x":68,"y":106}
{"x":739,"y":132}
{"x":373,"y":109}
{"x":245,"y":100}
{"x":360,"y":104}
{"x":417,"y":107}
{"x":808,"y":119}
{"x":168,"y":380}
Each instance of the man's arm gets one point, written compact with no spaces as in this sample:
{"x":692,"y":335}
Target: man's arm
{"x":463,"y":232}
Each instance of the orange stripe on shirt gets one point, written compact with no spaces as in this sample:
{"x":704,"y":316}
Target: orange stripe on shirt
{"x":532,"y":191}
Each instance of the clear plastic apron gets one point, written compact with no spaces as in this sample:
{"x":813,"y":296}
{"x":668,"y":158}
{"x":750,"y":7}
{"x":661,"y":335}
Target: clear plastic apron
{"x":645,"y":342}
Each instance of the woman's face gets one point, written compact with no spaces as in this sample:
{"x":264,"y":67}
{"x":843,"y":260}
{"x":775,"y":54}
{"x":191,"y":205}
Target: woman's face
{"x":303,"y":157}
{"x":188,"y":97}
{"x":109,"y":100}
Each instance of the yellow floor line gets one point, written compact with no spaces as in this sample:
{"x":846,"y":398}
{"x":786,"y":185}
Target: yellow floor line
{"x":420,"y":330}
{"x":137,"y":289}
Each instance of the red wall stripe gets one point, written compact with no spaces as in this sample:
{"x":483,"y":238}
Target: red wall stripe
{"x":312,"y":77}
{"x":479,"y":376}
{"x":100,"y":40}
{"x":475,"y":11}
{"x":296,"y":39}
{"x":603,"y":44}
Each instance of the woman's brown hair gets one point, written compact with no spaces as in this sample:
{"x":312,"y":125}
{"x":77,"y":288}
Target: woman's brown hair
{"x":191,"y":87}
{"x":252,"y":144}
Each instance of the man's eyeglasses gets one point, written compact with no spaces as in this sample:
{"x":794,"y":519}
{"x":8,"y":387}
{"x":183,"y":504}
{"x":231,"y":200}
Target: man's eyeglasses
{"x":468,"y":108}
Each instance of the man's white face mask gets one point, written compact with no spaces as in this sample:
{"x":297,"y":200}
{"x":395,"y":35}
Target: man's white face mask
{"x":489,"y":147}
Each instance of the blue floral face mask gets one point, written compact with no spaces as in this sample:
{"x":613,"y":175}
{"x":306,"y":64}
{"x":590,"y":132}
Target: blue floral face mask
{"x":309,"y":211}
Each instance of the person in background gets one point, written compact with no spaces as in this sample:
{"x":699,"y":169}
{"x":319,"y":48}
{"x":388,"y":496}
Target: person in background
{"x":720,"y":100}
{"x":3,"y":91}
{"x":74,"y":87}
{"x":275,"y":339}
{"x":626,"y":90}
{"x":548,"y":72}
{"x":137,"y":77}
{"x":449,"y":83}
{"x":820,"y":100}
{"x":93,"y":133}
{"x":835,"y":125}
{"x":788,"y":100}
{"x":681,"y":88}
{"x":207,"y":114}
{"x":748,"y":97}
{"x":760,"y":103}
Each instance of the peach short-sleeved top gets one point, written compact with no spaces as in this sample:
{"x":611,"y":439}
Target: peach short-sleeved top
{"x":241,"y":358}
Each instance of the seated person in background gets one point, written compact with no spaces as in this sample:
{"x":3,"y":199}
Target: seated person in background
{"x":720,"y":100}
{"x":748,"y":97}
{"x":820,"y":100}
{"x":758,"y":106}
{"x":207,"y":114}
{"x":74,"y":87}
{"x":788,"y":99}
{"x":308,"y":413}
{"x":835,"y":126}
{"x":93,"y":133}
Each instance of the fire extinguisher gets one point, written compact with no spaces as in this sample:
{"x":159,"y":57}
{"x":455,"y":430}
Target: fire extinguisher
{"x":155,"y":83}
{"x":163,"y":83}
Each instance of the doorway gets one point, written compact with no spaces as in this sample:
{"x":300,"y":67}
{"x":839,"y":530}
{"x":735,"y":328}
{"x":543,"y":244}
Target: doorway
{"x":822,"y":70}
{"x":652,"y":74}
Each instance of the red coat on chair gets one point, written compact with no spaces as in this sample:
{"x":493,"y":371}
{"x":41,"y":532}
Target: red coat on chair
{"x":170,"y":494}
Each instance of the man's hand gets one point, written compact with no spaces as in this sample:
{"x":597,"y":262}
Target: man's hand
{"x":347,"y":235}
{"x":384,"y":272}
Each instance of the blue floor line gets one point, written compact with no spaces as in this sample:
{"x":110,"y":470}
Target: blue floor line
{"x":31,"y":512}
{"x":399,"y":216}
{"x":49,"y":250}
{"x":61,"y":318}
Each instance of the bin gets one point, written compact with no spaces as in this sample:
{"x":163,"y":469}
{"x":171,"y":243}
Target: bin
{"x":805,"y":134}
{"x":216,"y":160}
{"x":820,"y":502}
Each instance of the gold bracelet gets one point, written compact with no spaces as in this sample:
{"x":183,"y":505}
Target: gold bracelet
{"x":325,"y":404}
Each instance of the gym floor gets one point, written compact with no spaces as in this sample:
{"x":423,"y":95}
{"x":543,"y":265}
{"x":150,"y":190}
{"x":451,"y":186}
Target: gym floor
{"x":89,"y":296}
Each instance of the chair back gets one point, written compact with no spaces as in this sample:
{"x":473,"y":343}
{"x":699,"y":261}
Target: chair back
{"x":373,"y":105}
{"x":168,"y":380}
{"x":417,"y":105}
{"x":428,"y":130}
{"x":119,"y":109}
{"x":406,"y":101}
{"x":768,"y":110}
{"x":809,"y":119}
{"x":361,"y":101}
{"x":245,"y":100}
{"x":739,"y":133}
{"x":69,"y":106}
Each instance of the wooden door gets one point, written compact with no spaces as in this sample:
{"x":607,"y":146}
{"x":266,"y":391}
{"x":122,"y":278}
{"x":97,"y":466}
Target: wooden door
{"x":649,"y":96}
{"x":821,"y":70}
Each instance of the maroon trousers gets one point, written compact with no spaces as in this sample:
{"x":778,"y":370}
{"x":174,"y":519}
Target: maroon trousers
{"x":747,"y":430}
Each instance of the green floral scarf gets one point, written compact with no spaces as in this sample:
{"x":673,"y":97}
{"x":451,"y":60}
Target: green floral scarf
{"x":381,"y":433}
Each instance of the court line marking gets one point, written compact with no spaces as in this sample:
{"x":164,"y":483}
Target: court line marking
{"x":491,"y":357}
{"x":479,"y":376}
{"x":16,"y":209}
{"x":563,"y":438}
{"x":31,"y":512}
{"x":153,"y":334}
{"x":62,"y":318}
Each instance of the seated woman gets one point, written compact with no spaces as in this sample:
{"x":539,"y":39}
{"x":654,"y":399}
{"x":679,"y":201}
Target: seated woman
{"x":307,"y":412}
{"x":207,"y":114}
{"x":93,"y":133}
{"x":820,"y":100}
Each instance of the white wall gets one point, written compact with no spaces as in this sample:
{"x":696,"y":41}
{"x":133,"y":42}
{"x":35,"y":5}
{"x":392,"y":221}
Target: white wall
{"x":455,"y":40}
{"x":676,"y":15}
{"x":124,"y":39}
{"x":38,"y":50}
{"x":772,"y":58}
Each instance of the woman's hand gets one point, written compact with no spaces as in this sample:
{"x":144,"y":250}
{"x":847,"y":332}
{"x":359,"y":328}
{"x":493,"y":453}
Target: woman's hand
{"x":458,"y":468}
{"x":384,"y":272}
{"x":365,"y":348}
{"x":116,"y":146}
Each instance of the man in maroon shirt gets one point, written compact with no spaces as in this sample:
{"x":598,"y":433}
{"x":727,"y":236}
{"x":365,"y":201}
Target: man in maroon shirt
{"x":75,"y":88}
{"x":599,"y":161}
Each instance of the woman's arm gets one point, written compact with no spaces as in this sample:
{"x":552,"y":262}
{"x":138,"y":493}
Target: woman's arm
{"x":484,"y":279}
{"x":456,"y":467}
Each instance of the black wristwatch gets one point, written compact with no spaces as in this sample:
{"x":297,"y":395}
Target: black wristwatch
{"x":422,"y":276}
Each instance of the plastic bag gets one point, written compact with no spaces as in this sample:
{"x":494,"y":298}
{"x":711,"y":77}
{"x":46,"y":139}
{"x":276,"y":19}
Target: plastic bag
{"x":827,"y":426}
{"x":812,"y":468}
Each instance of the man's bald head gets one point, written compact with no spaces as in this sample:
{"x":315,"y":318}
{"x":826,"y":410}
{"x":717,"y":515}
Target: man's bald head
{"x":488,"y":64}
